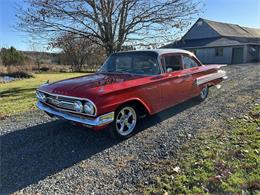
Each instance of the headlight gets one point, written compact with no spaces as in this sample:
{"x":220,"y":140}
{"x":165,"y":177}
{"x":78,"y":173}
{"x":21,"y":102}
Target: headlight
{"x":41,"y":96}
{"x":78,"y":106}
{"x":89,"y":108}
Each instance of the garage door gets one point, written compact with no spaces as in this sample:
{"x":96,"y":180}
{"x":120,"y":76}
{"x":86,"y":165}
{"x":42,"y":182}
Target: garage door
{"x":237,"y":55}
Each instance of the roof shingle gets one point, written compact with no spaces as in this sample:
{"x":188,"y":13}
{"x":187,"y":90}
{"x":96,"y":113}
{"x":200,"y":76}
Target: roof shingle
{"x":233,"y":30}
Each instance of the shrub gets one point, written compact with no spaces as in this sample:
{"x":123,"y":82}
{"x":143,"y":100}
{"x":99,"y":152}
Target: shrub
{"x":11,"y":57}
{"x":16,"y":71}
{"x":44,"y":69}
{"x":18,"y":74}
{"x":3,"y":69}
{"x":24,"y":68}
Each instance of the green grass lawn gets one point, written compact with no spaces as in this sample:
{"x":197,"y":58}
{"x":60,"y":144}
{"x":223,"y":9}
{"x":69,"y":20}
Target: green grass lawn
{"x":19,"y":96}
{"x":216,"y":162}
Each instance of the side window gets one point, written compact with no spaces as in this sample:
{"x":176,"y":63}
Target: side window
{"x":219,"y":51}
{"x":189,"y":62}
{"x":173,"y":63}
{"x":145,"y":65}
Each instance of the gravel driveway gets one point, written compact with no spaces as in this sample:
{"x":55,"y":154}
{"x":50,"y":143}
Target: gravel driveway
{"x":47,"y":156}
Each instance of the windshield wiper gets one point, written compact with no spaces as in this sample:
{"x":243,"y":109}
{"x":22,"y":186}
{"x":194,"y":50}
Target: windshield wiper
{"x":119,"y":71}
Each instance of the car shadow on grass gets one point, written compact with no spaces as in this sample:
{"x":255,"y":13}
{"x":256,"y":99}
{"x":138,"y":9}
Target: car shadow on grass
{"x":30,"y":155}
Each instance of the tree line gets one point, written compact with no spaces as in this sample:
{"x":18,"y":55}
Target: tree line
{"x":10,"y":56}
{"x":75,"y":53}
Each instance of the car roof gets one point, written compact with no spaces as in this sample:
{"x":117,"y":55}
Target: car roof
{"x":165,"y":51}
{"x":161,"y":51}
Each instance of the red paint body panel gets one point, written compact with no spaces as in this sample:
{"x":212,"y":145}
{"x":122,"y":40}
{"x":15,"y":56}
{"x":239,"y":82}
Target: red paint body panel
{"x":109,"y":91}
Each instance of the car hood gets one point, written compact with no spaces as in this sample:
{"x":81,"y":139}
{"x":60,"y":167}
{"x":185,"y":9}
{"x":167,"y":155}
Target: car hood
{"x":85,"y":85}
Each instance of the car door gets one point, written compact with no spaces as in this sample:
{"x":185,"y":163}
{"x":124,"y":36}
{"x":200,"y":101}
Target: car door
{"x":175,"y":83}
{"x":191,"y":69}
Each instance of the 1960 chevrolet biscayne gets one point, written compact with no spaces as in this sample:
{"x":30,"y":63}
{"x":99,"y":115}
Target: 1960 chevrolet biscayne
{"x":129,"y":86}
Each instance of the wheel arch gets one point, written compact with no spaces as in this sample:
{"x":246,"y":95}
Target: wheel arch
{"x":142,"y":107}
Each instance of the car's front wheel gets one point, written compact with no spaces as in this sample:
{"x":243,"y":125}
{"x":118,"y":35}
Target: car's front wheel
{"x":126,"y":118}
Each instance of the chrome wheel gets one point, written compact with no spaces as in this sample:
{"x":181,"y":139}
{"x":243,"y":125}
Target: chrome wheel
{"x":126,"y":121}
{"x":204,"y":92}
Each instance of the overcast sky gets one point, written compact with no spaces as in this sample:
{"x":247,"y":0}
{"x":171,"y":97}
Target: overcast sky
{"x":242,"y":12}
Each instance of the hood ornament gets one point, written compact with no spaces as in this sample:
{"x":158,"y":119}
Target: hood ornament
{"x":46,"y":83}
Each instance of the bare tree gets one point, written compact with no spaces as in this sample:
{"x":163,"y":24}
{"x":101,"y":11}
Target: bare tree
{"x":76,"y":49}
{"x":36,"y":46}
{"x":110,"y":23}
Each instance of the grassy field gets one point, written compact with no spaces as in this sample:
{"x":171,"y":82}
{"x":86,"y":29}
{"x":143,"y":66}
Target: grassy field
{"x":217,"y":162}
{"x":19,"y":96}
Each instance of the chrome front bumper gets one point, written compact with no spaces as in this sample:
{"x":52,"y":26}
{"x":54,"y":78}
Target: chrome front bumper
{"x":95,"y":122}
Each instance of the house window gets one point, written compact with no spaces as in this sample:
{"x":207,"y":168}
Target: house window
{"x":253,"y":50}
{"x":219,"y":51}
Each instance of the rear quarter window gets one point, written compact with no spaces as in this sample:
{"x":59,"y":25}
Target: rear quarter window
{"x":188,"y":62}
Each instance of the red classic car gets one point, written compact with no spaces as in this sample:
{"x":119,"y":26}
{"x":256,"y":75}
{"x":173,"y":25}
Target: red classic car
{"x":129,"y":86}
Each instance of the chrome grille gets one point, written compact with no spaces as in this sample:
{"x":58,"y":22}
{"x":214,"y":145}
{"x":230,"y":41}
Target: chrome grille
{"x":61,"y":102}
{"x":66,"y":103}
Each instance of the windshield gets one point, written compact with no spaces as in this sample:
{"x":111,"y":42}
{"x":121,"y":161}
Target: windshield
{"x":144,"y":63}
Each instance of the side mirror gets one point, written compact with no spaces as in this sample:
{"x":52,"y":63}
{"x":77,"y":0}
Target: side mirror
{"x":169,"y":70}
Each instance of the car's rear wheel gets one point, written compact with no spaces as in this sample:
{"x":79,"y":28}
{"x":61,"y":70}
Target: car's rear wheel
{"x":203,"y":93}
{"x":126,"y":118}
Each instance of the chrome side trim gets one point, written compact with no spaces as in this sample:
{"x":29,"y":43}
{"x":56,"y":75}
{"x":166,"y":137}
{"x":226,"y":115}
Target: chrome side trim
{"x":72,"y":98}
{"x":210,"y":77}
{"x":99,"y":121}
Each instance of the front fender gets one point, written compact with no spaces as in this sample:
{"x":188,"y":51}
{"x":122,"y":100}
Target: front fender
{"x":111,"y":102}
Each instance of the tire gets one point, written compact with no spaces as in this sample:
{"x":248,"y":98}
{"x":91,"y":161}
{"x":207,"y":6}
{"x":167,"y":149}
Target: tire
{"x":124,"y":125}
{"x":203,"y":94}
